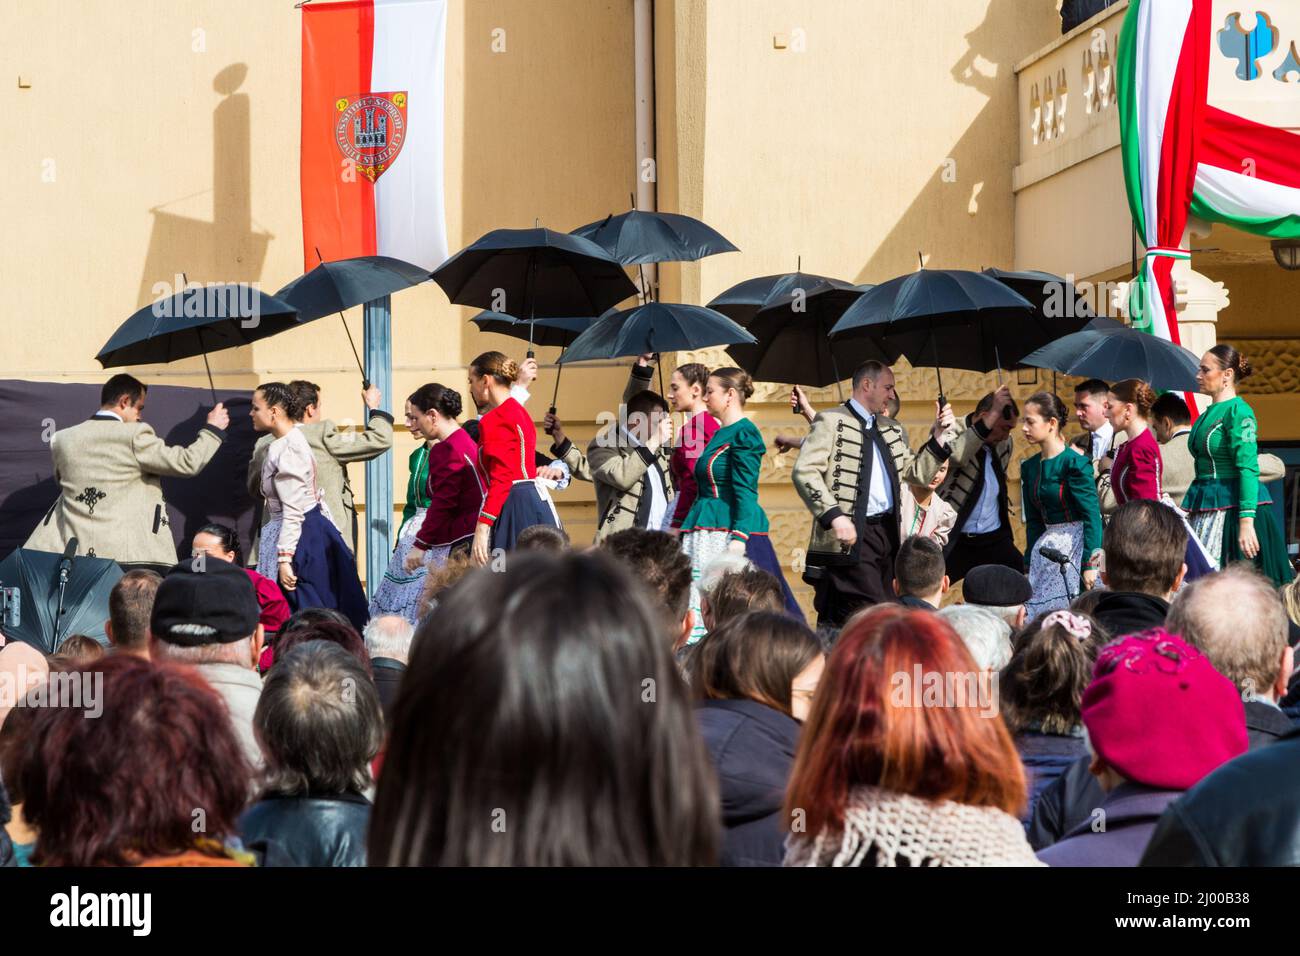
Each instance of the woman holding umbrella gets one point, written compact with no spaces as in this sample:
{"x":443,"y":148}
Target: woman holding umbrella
{"x":300,"y":546}
{"x":1139,"y":467}
{"x":1062,"y":515}
{"x":507,"y":449}
{"x":726,"y":516}
{"x":1224,"y":499}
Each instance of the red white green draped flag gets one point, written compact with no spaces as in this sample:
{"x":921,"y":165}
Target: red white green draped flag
{"x":372,"y":130}
{"x":1182,"y":156}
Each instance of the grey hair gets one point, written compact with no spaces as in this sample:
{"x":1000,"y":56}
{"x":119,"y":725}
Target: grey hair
{"x":717,"y":569}
{"x":235,"y":652}
{"x":986,"y":636}
{"x":1007,"y":612}
{"x":389,"y":636}
{"x":318,"y":722}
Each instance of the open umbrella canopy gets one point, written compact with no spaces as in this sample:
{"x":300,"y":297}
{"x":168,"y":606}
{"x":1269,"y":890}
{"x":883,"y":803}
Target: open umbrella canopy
{"x":85,"y":599}
{"x":636,"y":237}
{"x":789,"y":295}
{"x":1114,"y":353}
{"x":535,"y":273}
{"x":343,"y":283}
{"x":559,"y":332}
{"x":1051,"y":295}
{"x":197,"y":320}
{"x":654,"y":327}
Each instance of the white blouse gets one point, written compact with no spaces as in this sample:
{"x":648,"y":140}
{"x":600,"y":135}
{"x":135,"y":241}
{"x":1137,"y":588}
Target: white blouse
{"x":289,"y":487}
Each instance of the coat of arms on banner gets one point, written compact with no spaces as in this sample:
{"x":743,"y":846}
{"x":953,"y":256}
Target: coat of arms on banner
{"x":370,"y":130}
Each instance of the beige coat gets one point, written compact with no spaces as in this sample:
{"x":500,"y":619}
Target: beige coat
{"x":335,"y":448}
{"x":621,"y":475}
{"x":934,"y":521}
{"x":826,"y":474}
{"x":111,"y":498}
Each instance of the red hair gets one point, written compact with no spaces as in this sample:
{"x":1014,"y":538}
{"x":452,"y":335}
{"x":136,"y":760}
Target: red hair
{"x":123,"y":786}
{"x":860,"y":733}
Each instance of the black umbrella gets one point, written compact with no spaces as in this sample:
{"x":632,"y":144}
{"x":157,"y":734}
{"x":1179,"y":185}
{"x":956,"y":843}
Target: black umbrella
{"x":559,"y":332}
{"x":636,"y":237}
{"x":1113,"y":353}
{"x":343,"y":283}
{"x":791,"y":317}
{"x":985,"y":325}
{"x":1051,"y":295}
{"x":83,"y":596}
{"x":654,"y":327}
{"x":195,"y":321}
{"x":535,"y":273}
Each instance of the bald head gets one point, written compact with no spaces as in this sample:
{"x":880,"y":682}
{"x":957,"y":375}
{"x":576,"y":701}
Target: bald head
{"x":1237,"y":620}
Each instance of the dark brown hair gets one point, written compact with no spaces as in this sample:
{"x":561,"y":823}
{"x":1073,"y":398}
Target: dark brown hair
{"x":1136,"y":392}
{"x":1144,"y":546}
{"x":656,"y":559}
{"x":1042,"y":685}
{"x":695,"y":373}
{"x":731,"y":377}
{"x":919,"y":566}
{"x":77,"y":650}
{"x":1229,"y":357}
{"x":434,"y":396}
{"x":1050,"y":406}
{"x":735,"y":593}
{"x":130,"y":604}
{"x":280,"y":394}
{"x":503,"y":370}
{"x":755,"y":657}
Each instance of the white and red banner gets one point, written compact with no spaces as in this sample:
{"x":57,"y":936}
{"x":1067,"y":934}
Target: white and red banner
{"x":372,"y":130}
{"x":1184,"y":157}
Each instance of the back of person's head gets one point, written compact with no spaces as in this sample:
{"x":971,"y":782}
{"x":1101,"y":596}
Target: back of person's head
{"x":542,"y":722}
{"x":868,"y":728}
{"x":283,"y":396}
{"x":986,"y":635}
{"x":1159,"y":714}
{"x":344,"y":635}
{"x":77,"y":650}
{"x":205,"y":612}
{"x":755,"y":656}
{"x":438,"y":581}
{"x":919,"y":567}
{"x":869,"y":370}
{"x":542,"y":537}
{"x":738,"y":592}
{"x":1051,"y":664}
{"x":308,"y":616}
{"x":999,"y":589}
{"x":1236,"y":619}
{"x":1171,"y":408}
{"x":656,"y":559}
{"x":1138,"y":393}
{"x":646,"y":403}
{"x":729,"y":377}
{"x":130,"y":604}
{"x":1144,"y":546}
{"x":985,"y":404}
{"x":306,"y":393}
{"x":388,"y":635}
{"x":318,"y":722}
{"x":1290,"y":594}
{"x":1086,"y":603}
{"x":124,"y":786}
{"x":122,"y":386}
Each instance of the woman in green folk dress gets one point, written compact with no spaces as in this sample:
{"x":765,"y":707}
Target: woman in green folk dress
{"x":1229,"y":510}
{"x":1062,"y":514}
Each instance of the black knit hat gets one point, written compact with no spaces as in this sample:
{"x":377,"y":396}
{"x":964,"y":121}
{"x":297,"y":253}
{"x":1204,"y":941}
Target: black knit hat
{"x":995,"y":585}
{"x":204,"y":600}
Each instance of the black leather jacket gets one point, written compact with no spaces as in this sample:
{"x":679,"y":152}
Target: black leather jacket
{"x":307,"y":830}
{"x":1243,"y":814}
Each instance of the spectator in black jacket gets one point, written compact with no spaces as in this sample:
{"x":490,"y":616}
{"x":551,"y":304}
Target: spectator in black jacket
{"x":319,"y":724}
{"x":1236,"y":619}
{"x":754,"y":679}
{"x":1144,"y":546}
{"x":388,"y":639}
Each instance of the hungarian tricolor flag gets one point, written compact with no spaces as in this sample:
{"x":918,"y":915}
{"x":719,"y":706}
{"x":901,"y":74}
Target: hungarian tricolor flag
{"x":372,"y":130}
{"x":1183,"y":156}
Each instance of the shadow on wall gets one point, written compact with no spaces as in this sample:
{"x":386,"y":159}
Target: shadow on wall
{"x":227,"y":248}
{"x":951,"y":219}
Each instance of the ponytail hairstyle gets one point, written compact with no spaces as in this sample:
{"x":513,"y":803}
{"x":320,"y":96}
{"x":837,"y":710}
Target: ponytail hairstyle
{"x":1136,"y":392}
{"x":731,"y":377}
{"x":1230,"y":358}
{"x":286,"y":398}
{"x":694,"y":373}
{"x":228,"y":537}
{"x":446,"y":401}
{"x":503,"y":370}
{"x":1051,"y":406}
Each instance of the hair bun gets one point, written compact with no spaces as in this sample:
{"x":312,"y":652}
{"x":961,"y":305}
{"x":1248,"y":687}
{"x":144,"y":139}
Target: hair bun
{"x":1244,"y":368}
{"x":510,"y":370}
{"x":449,"y":403}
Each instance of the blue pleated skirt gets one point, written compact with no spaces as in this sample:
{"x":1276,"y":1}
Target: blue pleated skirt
{"x":528,"y":504}
{"x":325,"y":566}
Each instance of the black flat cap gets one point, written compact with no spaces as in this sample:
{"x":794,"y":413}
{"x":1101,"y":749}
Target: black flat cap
{"x":995,"y":585}
{"x":204,"y":601}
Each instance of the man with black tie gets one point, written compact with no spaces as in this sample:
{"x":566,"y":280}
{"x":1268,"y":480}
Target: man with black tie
{"x":976,"y":487}
{"x":848,"y":473}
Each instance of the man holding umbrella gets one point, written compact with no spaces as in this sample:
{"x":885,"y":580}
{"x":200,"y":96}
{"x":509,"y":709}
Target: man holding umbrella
{"x":848,"y":475}
{"x":110,"y":469}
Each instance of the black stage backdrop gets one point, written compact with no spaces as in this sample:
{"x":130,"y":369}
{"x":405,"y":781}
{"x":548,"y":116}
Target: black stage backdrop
{"x":31,"y":411}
